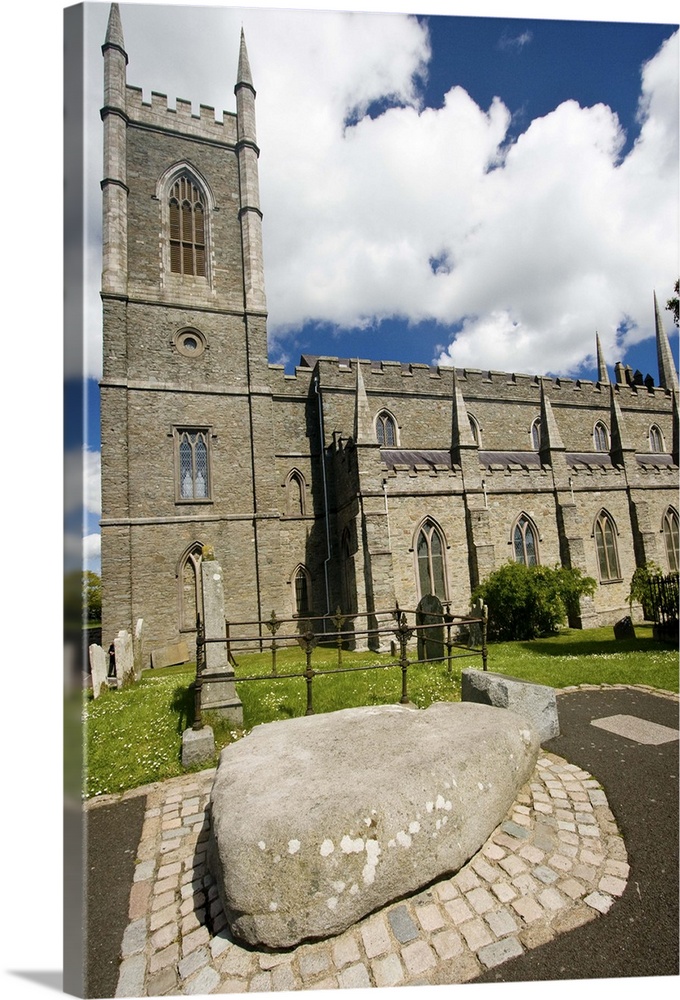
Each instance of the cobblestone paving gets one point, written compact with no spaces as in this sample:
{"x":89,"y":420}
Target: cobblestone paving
{"x":556,"y":862}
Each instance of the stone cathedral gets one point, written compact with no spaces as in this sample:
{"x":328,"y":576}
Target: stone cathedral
{"x":351,"y":483}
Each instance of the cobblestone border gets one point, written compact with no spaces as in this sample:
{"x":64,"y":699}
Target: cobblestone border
{"x":556,"y":862}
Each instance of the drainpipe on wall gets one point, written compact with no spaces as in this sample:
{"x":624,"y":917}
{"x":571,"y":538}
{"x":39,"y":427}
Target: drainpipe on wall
{"x":325,"y":496}
{"x":387,"y":515}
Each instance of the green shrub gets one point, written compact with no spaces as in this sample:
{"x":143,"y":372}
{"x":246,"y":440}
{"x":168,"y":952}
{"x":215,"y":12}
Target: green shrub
{"x":526,"y":602}
{"x":641,"y":589}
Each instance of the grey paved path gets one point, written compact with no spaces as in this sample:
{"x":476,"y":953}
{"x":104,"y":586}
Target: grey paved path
{"x":580,"y":880}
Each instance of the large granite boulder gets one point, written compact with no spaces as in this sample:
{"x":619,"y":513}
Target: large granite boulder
{"x":318,"y":821}
{"x":537,"y":703}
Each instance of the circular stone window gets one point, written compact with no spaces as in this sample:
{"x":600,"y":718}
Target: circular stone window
{"x":190,"y":343}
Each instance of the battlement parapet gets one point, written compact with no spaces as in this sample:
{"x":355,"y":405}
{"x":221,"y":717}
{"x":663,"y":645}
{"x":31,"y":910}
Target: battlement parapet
{"x":158,"y":114}
{"x":399,"y":378}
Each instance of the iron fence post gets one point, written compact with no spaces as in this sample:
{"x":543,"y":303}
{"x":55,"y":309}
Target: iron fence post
{"x":338,"y":620}
{"x":198,"y":683}
{"x":274,"y":624}
{"x":485,"y":619}
{"x":403,"y":633}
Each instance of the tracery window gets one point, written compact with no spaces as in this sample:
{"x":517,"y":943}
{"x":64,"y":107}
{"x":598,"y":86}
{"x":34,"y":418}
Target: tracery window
{"x":187,"y":227}
{"x":536,"y":434}
{"x":670,"y":537}
{"x":302,"y":591}
{"x":386,"y":429}
{"x":655,"y":439}
{"x":189,"y":586}
{"x":525,"y":541}
{"x":601,"y":437}
{"x":193,"y":477}
{"x":430,"y":559}
{"x":605,"y":543}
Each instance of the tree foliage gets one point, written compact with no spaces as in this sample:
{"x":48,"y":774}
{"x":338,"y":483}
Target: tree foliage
{"x":674,"y":303}
{"x":526,"y":602}
{"x":641,"y":591}
{"x":82,"y":598}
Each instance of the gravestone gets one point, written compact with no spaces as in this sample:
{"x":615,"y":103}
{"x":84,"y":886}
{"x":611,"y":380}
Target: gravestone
{"x":170,"y":656}
{"x":125,"y":664}
{"x":475,"y":627}
{"x":219,"y":690}
{"x":138,"y":648}
{"x":430,"y":640}
{"x":99,"y":668}
{"x":624,"y":628}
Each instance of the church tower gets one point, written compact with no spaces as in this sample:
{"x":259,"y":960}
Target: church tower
{"x":185,"y":342}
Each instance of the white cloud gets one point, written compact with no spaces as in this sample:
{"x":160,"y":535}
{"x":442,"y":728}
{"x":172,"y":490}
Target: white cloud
{"x":542,"y":241}
{"x":82,"y":481}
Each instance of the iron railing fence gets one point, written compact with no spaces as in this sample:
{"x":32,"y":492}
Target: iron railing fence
{"x":466,"y":636}
{"x":664,"y":598}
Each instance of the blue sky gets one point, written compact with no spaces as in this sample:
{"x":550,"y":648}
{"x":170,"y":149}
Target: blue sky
{"x":480,"y":191}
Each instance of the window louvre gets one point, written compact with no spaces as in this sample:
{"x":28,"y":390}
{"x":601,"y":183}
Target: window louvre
{"x":187,"y":228}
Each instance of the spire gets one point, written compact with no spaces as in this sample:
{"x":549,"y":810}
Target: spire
{"x":363,"y":424}
{"x":114,"y":31}
{"x":668,"y":377}
{"x":602,"y":373}
{"x":243,"y":76}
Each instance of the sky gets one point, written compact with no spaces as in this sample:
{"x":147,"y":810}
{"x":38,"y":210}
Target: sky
{"x":485,"y":192}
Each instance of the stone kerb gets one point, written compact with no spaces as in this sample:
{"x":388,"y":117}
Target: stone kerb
{"x":125,"y":664}
{"x":99,"y":663}
{"x":536,"y":703}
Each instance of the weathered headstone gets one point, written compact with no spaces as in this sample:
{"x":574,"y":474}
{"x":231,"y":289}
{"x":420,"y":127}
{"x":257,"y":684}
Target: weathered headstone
{"x":219,"y":690}
{"x":431,"y":639}
{"x":320,"y":820}
{"x":624,"y":628}
{"x":198,"y":746}
{"x":475,"y":626}
{"x":125,"y":664}
{"x":99,"y":667}
{"x":537,"y":703}
{"x":138,"y":648}
{"x":170,"y":656}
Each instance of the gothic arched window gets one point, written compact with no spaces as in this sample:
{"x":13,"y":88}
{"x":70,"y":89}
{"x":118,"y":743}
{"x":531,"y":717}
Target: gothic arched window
{"x":474,"y":427}
{"x":189,"y":586}
{"x":430,"y":559}
{"x":536,"y":434}
{"x":386,"y":429}
{"x":670,"y":537}
{"x":525,"y":541}
{"x":655,"y":439}
{"x":605,"y":543}
{"x":187,"y":227}
{"x":302,"y":591}
{"x":295,"y":494}
{"x":601,"y":437}
{"x":193,"y":479}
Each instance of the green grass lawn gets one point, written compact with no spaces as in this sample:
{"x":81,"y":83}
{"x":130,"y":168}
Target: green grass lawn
{"x":133,"y":736}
